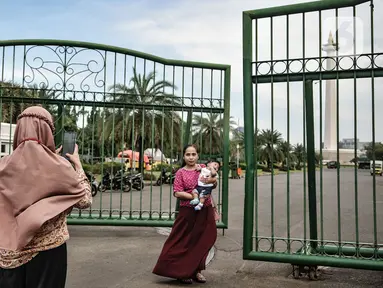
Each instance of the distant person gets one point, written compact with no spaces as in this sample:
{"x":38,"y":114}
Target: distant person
{"x":194,"y":233}
{"x":38,"y":188}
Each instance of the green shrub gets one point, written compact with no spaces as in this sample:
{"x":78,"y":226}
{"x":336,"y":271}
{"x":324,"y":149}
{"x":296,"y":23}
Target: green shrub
{"x":149,"y":176}
{"x":285,"y":168}
{"x":276,"y":166}
{"x":242,"y":166}
{"x":266,"y":169}
{"x":261,"y":167}
{"x":105,"y":167}
{"x":168,"y":167}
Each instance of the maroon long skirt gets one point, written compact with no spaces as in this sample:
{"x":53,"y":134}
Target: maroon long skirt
{"x":185,"y":251}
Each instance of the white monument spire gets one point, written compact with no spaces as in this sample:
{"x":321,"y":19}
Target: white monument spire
{"x":330,"y":141}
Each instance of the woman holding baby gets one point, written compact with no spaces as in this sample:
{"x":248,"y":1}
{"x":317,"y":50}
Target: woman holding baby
{"x":194,"y":233}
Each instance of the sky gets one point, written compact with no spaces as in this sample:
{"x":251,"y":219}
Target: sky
{"x":211,"y":31}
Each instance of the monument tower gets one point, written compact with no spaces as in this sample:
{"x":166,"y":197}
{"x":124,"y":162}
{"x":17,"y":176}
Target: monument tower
{"x":330,"y":141}
{"x":329,"y":151}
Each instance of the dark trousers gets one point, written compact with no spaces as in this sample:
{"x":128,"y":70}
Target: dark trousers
{"x":204,"y":191}
{"x":47,"y":270}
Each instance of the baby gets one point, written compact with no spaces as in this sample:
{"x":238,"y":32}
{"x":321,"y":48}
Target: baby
{"x":203,"y":190}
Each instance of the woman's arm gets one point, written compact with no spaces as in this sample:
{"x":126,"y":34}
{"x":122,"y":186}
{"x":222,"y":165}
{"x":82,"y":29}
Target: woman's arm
{"x":86,"y":201}
{"x":74,"y":158}
{"x":210,"y":180}
{"x":178,"y":188}
{"x":213,"y":202}
{"x":216,"y":214}
{"x":183,"y":195}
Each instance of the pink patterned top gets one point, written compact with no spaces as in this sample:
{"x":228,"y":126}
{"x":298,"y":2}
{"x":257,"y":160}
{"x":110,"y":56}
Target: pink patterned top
{"x":186,"y":181}
{"x":52,"y":234}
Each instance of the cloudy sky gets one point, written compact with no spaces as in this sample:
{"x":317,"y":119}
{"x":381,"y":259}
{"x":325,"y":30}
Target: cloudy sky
{"x":211,"y":31}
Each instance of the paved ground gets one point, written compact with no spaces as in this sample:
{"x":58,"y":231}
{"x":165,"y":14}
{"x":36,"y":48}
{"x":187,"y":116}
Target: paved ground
{"x":101,"y":257}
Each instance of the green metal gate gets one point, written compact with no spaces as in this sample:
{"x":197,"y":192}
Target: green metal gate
{"x":314,"y":215}
{"x":132,"y":112}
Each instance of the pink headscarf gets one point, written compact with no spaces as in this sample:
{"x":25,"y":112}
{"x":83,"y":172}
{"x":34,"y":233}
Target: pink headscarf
{"x":36,"y":184}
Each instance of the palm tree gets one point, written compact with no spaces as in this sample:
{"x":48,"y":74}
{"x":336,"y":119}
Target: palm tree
{"x":238,"y":139}
{"x":300,"y":154}
{"x":269,"y":147}
{"x":140,"y":123}
{"x":11,"y":109}
{"x":287,"y":150}
{"x":208,"y":132}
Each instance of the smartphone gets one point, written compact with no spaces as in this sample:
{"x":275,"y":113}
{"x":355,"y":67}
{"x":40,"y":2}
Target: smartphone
{"x":69,"y":142}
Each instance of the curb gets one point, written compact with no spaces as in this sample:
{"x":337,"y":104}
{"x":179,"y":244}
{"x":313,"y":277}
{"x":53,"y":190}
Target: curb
{"x":166,"y":232}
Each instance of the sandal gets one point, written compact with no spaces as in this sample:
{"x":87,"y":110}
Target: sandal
{"x":200,"y":278}
{"x":185,"y":281}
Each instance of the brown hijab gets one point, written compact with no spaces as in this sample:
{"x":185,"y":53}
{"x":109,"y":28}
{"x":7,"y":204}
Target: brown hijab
{"x":36,"y":184}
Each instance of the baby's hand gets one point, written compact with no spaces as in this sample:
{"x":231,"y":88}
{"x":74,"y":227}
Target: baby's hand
{"x":198,"y":167}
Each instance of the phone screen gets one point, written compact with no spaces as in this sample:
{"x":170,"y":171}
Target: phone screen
{"x":69,"y":142}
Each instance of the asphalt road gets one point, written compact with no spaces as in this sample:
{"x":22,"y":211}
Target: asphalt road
{"x":338,"y":220}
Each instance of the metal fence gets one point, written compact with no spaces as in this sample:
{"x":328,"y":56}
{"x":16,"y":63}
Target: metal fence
{"x":132,"y":112}
{"x":310,"y":214}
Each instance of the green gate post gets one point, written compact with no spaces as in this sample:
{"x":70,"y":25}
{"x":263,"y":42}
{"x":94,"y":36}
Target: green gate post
{"x":59,"y":124}
{"x":311,"y":163}
{"x":1,"y":104}
{"x":248,"y":219}
{"x":185,"y":141}
{"x":226,"y":149}
{"x":188,"y":127}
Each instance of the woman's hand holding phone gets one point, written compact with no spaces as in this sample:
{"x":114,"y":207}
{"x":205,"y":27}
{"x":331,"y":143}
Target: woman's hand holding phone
{"x":74,"y":158}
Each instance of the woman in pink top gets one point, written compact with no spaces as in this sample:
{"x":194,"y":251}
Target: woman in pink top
{"x":194,"y":233}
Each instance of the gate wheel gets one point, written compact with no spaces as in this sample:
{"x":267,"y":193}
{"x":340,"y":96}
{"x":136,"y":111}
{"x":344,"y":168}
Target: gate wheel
{"x":305,"y":270}
{"x":313,"y":275}
{"x":296,"y":272}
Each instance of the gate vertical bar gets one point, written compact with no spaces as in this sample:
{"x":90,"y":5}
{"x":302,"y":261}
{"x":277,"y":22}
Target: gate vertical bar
{"x":288,"y":196}
{"x":256,"y":141}
{"x":304,"y":132}
{"x":373,"y":131}
{"x":339,"y":208}
{"x":248,"y":219}
{"x":60,"y":124}
{"x":272,"y":222}
{"x":320,"y":132}
{"x":185,"y":141}
{"x":226,"y":148}
{"x":311,"y":162}
{"x":355,"y":137}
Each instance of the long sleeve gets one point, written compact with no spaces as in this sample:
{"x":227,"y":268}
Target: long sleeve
{"x":86,"y":201}
{"x":52,"y":234}
{"x":178,"y":185}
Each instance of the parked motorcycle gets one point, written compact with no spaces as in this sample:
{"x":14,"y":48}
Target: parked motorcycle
{"x":136,"y":181}
{"x":93,"y":183}
{"x":115,"y":182}
{"x":166,"y":177}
